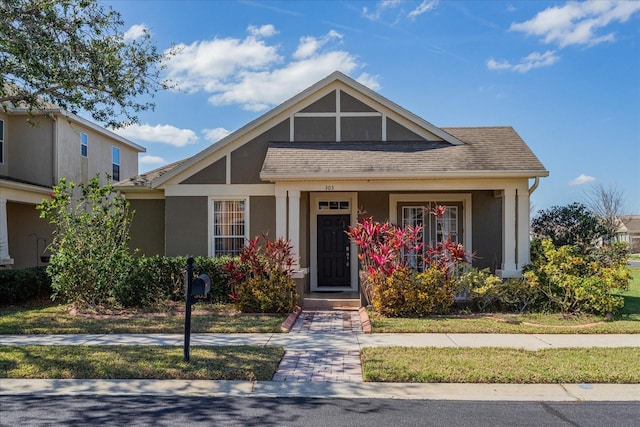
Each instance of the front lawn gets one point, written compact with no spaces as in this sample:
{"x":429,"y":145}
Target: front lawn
{"x":248,"y":363}
{"x":56,"y":319}
{"x":498,"y":365}
{"x":626,"y":322}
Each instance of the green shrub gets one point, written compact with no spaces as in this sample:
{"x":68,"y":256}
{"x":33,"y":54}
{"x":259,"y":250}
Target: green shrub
{"x":405,"y":293}
{"x":154,"y":280}
{"x":573,"y":283}
{"x":18,"y":286}
{"x":275,"y":293}
{"x":481,"y":286}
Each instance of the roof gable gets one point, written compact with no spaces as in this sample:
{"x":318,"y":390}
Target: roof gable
{"x":336,"y":97}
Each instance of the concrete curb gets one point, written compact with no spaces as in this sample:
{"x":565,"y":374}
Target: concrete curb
{"x":364,"y":320}
{"x":413,"y":391}
{"x":291,"y":319}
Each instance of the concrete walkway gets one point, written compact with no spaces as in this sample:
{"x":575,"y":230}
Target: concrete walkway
{"x":322,"y":360}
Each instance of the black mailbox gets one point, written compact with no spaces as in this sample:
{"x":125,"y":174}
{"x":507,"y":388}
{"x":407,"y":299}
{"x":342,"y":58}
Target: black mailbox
{"x":201,"y":286}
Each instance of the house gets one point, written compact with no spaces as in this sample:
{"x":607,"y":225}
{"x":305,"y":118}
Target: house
{"x":35,"y":152}
{"x":628,"y":231}
{"x":306,"y":169}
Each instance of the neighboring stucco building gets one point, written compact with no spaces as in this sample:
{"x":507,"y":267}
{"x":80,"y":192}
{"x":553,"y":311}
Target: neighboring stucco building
{"x":307,"y":168}
{"x":35,"y":152}
{"x":629,"y":232}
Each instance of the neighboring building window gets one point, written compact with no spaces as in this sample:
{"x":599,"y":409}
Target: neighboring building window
{"x":115,"y":163}
{"x":84,"y":144}
{"x":229,"y":227}
{"x":434,"y":231}
{"x":1,"y":141}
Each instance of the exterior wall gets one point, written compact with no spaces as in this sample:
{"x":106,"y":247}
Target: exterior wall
{"x":99,"y":157}
{"x":350,"y":104}
{"x":487,"y":229}
{"x":4,"y":166}
{"x":246,"y":161}
{"x":360,"y":129}
{"x":315,"y":129}
{"x":147,"y":227}
{"x":29,"y":149}
{"x":374,"y":204}
{"x":213,"y":174}
{"x":396,"y":132}
{"x":326,"y":104}
{"x":186,"y":222}
{"x":262,"y":212}
{"x":29,"y":235}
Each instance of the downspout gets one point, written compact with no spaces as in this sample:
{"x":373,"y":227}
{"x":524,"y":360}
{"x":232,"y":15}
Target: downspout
{"x":54,"y":165}
{"x":535,"y":185}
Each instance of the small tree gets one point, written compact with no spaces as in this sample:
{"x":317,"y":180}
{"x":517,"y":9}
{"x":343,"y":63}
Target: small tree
{"x":74,"y":54}
{"x":89,"y":253}
{"x":573,"y":225}
{"x":607,"y":203}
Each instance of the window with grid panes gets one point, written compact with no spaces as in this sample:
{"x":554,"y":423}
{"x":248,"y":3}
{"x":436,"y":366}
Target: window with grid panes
{"x":229,"y":227}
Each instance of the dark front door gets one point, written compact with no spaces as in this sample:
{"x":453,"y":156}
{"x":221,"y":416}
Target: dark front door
{"x":333,"y":251}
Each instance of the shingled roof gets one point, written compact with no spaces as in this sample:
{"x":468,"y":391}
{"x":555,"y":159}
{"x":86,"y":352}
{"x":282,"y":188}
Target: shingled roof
{"x":145,"y":179}
{"x":490,"y":151}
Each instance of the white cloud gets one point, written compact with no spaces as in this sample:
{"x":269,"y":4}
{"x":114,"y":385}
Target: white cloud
{"x":308,"y":46}
{"x":526,"y":64}
{"x":216,"y":134}
{"x":135,"y":31}
{"x":165,"y":134}
{"x":372,"y":82}
{"x":149,"y":160}
{"x":253,"y":74}
{"x":582,"y":179}
{"x":262,"y":31}
{"x":424,"y":7}
{"x":578,"y":23}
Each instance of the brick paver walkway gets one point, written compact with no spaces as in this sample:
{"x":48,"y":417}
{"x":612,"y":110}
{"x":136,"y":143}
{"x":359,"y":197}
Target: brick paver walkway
{"x":330,"y":365}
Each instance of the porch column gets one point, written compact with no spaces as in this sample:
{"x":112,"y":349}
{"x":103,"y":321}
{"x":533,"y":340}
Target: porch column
{"x":5,"y":258}
{"x":294,"y":226}
{"x":508,"y":232}
{"x":523,"y":228}
{"x":281,"y":213}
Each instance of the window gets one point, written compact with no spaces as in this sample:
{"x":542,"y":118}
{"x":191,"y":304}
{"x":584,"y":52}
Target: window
{"x":84,"y":144}
{"x":115,"y":163}
{"x":1,"y":141}
{"x":435,"y":230}
{"x":229,"y":227}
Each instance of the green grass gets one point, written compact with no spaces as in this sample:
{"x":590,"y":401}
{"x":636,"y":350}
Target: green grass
{"x":56,"y":319}
{"x":249,"y":363}
{"x":626,"y":322}
{"x":494,"y":365}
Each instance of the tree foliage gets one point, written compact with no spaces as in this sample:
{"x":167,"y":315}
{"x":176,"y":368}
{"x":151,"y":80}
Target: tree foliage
{"x":573,"y":225}
{"x":607,"y":202}
{"x":73,"y":54}
{"x":90,"y":257}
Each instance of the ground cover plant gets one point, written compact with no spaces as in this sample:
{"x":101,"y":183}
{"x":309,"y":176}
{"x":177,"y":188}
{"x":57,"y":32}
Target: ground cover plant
{"x":248,"y":363}
{"x":498,"y":365}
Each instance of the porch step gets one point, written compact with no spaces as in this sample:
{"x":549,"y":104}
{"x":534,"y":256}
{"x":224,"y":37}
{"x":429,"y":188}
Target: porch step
{"x":331,"y":301}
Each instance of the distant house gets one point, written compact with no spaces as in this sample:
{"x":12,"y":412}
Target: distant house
{"x":306,"y":170}
{"x":35,"y":152}
{"x":629,"y":232}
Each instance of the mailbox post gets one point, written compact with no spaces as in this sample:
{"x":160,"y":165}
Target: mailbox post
{"x":195,"y":289}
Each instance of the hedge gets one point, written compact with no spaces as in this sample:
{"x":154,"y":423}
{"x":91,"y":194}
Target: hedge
{"x":18,"y":286}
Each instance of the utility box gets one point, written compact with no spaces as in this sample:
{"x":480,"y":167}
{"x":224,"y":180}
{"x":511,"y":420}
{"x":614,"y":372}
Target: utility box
{"x":201,"y":286}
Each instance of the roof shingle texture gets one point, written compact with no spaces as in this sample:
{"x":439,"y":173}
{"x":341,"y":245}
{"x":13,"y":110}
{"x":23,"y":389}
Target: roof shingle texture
{"x":486,"y":149}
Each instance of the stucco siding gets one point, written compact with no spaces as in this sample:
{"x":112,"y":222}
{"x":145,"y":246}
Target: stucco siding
{"x":212,"y":174}
{"x":350,"y":104}
{"x":29,"y":235}
{"x":360,"y":129}
{"x":246,"y":161}
{"x":147,"y":227}
{"x":314,"y":129}
{"x":326,"y":104}
{"x":262,"y":211}
{"x":487,"y":229}
{"x":397,"y":132}
{"x":374,"y":204}
{"x":29,"y":149}
{"x":186,"y":221}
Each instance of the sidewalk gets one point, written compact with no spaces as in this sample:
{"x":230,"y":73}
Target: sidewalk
{"x":322,"y":360}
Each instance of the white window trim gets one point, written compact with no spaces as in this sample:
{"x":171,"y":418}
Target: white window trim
{"x":247,"y":219}
{"x":113,"y":162}
{"x":464,"y":198}
{"x":314,"y":199}
{"x":84,"y":145}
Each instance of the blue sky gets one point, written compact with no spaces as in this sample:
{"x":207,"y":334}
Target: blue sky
{"x":565,"y":75}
